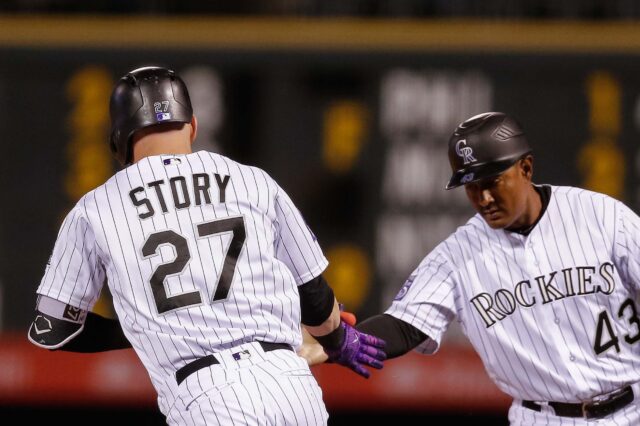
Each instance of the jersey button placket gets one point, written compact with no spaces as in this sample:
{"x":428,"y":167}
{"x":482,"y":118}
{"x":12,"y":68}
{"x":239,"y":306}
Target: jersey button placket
{"x":533,"y":265}
{"x":518,"y":242}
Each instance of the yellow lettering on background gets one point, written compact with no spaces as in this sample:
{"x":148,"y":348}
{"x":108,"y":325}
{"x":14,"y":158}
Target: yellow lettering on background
{"x":602,"y":166}
{"x":601,"y":161}
{"x":604,"y":104}
{"x":349,"y":274}
{"x":89,"y":158}
{"x":345,"y":127}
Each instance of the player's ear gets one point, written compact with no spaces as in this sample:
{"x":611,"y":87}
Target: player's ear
{"x":194,"y":128}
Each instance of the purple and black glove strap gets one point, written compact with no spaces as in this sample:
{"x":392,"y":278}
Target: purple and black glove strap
{"x":357,"y":351}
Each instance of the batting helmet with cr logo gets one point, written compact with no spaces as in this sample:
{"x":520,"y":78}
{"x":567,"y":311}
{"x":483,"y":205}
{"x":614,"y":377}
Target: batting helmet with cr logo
{"x":485,"y":145}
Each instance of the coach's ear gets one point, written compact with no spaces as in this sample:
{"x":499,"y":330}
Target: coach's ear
{"x":194,"y":128}
{"x":526,"y":165}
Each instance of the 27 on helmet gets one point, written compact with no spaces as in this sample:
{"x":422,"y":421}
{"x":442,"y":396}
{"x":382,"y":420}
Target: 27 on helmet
{"x":485,"y":145}
{"x":142,"y":98}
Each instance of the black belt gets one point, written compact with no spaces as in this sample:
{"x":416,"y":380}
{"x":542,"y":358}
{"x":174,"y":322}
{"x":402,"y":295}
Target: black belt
{"x":588,"y":410}
{"x":208,"y":360}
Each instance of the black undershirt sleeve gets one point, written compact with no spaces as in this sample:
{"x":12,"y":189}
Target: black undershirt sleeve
{"x":316,"y":301}
{"x":98,"y":335}
{"x":400,"y":336}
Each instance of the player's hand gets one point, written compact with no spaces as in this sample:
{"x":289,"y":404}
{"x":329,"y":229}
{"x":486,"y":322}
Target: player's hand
{"x":358,"y":350}
{"x":311,"y":350}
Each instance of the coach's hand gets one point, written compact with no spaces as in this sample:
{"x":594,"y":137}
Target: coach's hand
{"x":346,"y":316}
{"x":358,"y":350}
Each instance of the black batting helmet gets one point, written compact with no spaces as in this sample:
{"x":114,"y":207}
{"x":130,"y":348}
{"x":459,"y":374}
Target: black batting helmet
{"x":485,"y":145}
{"x":142,"y":98}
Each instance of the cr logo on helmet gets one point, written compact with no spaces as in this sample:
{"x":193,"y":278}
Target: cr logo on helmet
{"x":465,"y":151}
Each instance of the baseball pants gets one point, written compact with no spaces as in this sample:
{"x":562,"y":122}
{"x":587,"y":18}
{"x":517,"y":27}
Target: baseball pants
{"x":250,"y":387}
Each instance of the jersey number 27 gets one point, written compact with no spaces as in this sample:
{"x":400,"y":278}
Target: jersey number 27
{"x":165,"y":303}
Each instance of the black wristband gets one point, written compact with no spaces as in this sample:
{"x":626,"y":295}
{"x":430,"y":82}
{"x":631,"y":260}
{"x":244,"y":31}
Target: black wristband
{"x":333,"y":340}
{"x":316,"y":301}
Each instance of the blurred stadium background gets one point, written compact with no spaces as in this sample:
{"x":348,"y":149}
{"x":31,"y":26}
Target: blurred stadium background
{"x":348,"y":104}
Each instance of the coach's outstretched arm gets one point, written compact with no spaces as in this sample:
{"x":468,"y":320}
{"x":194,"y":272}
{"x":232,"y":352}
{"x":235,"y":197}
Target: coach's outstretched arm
{"x":400,"y":337}
{"x":343,"y":344}
{"x":58,"y":326}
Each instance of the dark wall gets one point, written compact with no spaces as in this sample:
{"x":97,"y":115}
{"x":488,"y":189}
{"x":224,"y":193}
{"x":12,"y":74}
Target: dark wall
{"x":293,"y":114}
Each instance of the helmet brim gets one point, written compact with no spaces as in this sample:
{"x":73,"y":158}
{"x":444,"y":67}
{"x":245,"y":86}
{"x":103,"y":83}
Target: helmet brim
{"x":479,"y":171}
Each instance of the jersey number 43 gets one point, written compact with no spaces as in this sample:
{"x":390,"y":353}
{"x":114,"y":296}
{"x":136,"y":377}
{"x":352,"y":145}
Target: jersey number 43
{"x":604,"y":327}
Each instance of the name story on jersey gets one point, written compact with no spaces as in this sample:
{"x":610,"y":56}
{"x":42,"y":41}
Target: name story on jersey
{"x":544,"y":289}
{"x":185,"y":192}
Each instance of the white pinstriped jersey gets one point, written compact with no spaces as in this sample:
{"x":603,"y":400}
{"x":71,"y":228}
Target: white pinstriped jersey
{"x":554,"y":315}
{"x":200,"y":254}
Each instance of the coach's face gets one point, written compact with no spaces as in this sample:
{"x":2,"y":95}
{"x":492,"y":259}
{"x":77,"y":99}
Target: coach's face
{"x":506,"y":200}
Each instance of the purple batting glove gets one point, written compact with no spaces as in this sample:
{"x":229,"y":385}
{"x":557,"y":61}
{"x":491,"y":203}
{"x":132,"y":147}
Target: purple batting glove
{"x":357,"y":350}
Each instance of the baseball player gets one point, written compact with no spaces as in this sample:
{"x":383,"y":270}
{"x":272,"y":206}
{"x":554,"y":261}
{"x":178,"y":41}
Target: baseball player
{"x":544,"y":281}
{"x":211,"y":267}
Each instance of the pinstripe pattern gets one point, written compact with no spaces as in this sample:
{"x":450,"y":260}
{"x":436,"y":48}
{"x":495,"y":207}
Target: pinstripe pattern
{"x":272,"y":388}
{"x":104,"y":236}
{"x":532,"y":305}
